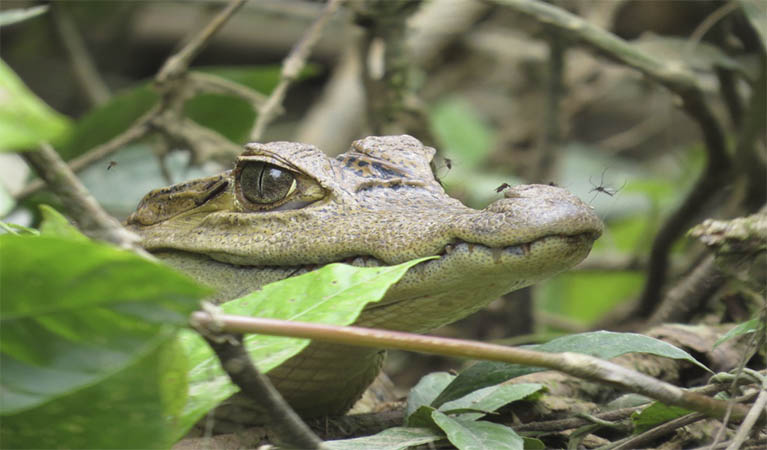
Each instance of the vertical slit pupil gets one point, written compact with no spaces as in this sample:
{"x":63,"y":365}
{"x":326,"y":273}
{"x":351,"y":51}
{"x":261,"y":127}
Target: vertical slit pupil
{"x":264,"y":183}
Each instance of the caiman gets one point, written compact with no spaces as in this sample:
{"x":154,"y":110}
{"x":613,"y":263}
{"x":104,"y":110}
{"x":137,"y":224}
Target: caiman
{"x":286,"y":208}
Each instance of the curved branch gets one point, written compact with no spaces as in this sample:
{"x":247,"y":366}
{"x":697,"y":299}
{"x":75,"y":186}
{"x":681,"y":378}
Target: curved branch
{"x":579,"y":365}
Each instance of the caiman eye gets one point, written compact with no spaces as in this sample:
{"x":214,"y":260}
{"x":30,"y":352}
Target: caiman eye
{"x":264,"y":183}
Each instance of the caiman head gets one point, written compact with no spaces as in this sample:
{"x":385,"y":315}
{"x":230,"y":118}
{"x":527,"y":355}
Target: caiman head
{"x":286,"y":208}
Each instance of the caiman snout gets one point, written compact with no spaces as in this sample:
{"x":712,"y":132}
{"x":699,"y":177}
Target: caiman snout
{"x":531,"y":212}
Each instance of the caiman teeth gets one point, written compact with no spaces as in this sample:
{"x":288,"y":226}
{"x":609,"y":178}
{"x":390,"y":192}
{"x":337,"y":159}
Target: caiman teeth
{"x":497,"y":253}
{"x":525,"y":249}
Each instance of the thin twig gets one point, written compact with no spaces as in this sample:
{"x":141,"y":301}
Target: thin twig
{"x":641,"y":440}
{"x":579,"y":365}
{"x":574,"y":422}
{"x":83,"y":65}
{"x":210,"y":83}
{"x":178,"y":63}
{"x":136,"y":131}
{"x":81,"y":206}
{"x":290,"y":430}
{"x":291,"y":68}
{"x":708,"y":23}
{"x":756,"y":411}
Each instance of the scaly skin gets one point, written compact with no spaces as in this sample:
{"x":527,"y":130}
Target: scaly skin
{"x":376,"y":204}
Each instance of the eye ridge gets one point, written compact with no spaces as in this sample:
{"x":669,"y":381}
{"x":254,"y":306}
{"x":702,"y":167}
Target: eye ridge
{"x":263,"y":183}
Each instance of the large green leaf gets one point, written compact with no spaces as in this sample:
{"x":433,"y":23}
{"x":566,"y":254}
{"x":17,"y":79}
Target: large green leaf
{"x":55,"y":224}
{"x":601,"y":344}
{"x":108,"y":120}
{"x":397,"y":438}
{"x":481,"y":435}
{"x":489,"y":399}
{"x":25,"y":120}
{"x":87,"y":340}
{"x":335,"y":294}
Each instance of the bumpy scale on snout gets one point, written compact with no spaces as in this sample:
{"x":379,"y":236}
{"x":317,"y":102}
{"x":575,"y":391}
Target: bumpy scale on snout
{"x":287,"y":208}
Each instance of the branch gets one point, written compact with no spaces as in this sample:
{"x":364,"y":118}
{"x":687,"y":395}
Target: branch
{"x":288,"y":427}
{"x":136,"y":131}
{"x":582,"y":366}
{"x":176,"y":87}
{"x":681,"y":81}
{"x":641,"y":440}
{"x":82,"y":207}
{"x":291,"y":68}
{"x":759,"y":407}
{"x":177,"y":64}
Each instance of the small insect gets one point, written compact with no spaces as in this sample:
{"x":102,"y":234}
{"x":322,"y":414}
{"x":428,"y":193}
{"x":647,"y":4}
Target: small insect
{"x":602,"y":188}
{"x":111,"y":164}
{"x":448,"y":163}
{"x":502,"y":187}
{"x":553,"y":184}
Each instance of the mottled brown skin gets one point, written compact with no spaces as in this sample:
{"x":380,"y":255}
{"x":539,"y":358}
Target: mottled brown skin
{"x":379,"y":203}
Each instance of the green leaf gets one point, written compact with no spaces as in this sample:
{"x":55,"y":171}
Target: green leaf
{"x":462,"y":133}
{"x":479,"y":435}
{"x":234,"y":124}
{"x":239,"y":115}
{"x":228,"y":115}
{"x":601,"y":344}
{"x":533,"y":443}
{"x":108,"y":120}
{"x":422,"y":417}
{"x":129,"y":409}
{"x":55,"y":224}
{"x":608,"y":344}
{"x":86,"y":342}
{"x":25,"y":120}
{"x":654,"y":415}
{"x":11,"y":16}
{"x":397,"y":438}
{"x":427,"y":390}
{"x":334,"y":294}
{"x":749,"y":326}
{"x":259,"y":78}
{"x":481,"y":375}
{"x":489,"y":399}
